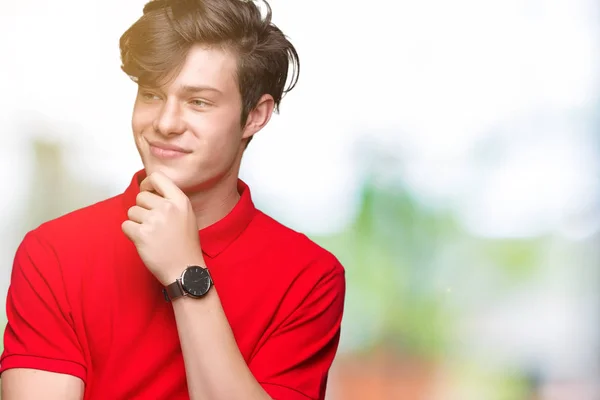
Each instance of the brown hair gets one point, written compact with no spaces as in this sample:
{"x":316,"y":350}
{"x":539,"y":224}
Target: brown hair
{"x":155,"y":46}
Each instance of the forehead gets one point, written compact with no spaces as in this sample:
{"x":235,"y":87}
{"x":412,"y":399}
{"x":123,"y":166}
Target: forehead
{"x":207,"y":66}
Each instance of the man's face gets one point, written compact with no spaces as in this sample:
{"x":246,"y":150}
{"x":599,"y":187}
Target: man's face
{"x":190,"y":129}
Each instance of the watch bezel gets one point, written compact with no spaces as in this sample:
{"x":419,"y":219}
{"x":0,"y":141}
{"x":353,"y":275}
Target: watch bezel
{"x":188,"y":288}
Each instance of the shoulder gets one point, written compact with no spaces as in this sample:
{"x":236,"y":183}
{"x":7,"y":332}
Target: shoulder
{"x":63,"y":242}
{"x":294,"y":251}
{"x":80,"y":225}
{"x":294,"y":275}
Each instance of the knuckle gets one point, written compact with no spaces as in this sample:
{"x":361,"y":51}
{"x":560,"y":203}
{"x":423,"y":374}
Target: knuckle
{"x":139,"y":197}
{"x":170,"y":206}
{"x":152,"y":220}
{"x":180,"y":202}
{"x":146,"y":231}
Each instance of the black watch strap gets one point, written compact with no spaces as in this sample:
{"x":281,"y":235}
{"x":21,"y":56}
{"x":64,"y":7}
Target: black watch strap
{"x":173,"y":291}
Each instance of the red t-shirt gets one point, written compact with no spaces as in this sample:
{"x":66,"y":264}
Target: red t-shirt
{"x":81,"y":302}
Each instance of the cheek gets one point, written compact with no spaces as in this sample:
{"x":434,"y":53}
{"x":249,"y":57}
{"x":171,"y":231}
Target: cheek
{"x":220,"y":129}
{"x":136,"y":122}
{"x":141,"y":118}
{"x":139,"y":125}
{"x":220,"y":140}
{"x":135,"y":126}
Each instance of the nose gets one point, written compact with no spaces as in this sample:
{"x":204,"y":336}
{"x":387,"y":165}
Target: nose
{"x":169,"y":121}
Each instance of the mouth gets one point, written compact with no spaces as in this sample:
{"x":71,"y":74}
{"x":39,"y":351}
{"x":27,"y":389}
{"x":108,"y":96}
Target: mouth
{"x":166,"y":150}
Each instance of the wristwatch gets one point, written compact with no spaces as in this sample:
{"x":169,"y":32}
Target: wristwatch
{"x":195,"y":282}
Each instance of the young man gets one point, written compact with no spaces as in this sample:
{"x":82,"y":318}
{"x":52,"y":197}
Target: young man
{"x":179,"y":288}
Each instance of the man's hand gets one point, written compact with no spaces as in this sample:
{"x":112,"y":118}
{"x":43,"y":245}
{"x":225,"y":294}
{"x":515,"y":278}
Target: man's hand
{"x":163,"y":227}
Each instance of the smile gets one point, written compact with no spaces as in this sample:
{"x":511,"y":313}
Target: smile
{"x":166,"y":151}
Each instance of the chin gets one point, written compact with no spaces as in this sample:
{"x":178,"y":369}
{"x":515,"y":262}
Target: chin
{"x":183,"y":177}
{"x":176,"y":174}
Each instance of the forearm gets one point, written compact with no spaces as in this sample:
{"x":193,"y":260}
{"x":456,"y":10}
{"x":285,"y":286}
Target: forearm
{"x":215,"y":367}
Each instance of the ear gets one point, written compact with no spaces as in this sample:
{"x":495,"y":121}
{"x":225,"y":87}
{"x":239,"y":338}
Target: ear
{"x":259,"y":116}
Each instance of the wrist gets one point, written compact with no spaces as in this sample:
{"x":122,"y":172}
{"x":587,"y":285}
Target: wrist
{"x":176,"y":269}
{"x":195,"y":282}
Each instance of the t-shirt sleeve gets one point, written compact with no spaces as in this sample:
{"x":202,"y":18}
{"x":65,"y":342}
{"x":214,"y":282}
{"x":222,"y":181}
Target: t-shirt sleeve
{"x":40,"y":332}
{"x":294,"y":362}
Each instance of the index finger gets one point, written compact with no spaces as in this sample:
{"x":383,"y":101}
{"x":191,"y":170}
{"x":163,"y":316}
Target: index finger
{"x":161,"y":184}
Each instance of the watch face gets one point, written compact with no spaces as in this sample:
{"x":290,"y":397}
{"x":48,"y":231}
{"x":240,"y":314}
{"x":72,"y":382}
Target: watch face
{"x":196,"y":281}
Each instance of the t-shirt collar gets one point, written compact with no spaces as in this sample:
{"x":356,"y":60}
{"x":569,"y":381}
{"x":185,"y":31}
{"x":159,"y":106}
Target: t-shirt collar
{"x":215,"y":238}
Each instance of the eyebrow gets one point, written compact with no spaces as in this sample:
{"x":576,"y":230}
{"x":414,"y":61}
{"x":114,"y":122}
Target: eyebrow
{"x":195,"y":89}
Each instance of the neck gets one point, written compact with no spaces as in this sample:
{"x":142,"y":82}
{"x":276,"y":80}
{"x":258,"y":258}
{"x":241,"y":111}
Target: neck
{"x":213,"y":204}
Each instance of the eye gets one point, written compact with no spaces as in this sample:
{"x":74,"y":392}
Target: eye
{"x":199,"y":103}
{"x":149,"y":96}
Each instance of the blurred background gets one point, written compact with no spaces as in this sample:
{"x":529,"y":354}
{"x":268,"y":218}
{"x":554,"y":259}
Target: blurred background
{"x":448,"y":152}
